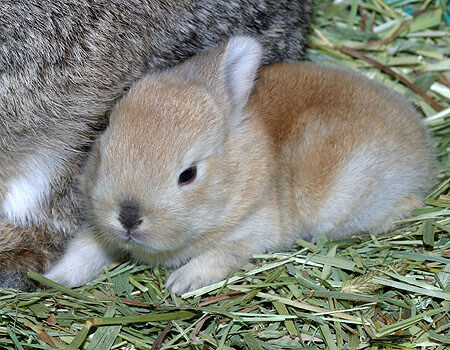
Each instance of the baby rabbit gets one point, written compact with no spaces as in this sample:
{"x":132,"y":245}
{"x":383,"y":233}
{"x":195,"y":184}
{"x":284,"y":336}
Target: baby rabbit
{"x":63,"y":66}
{"x":203,"y":166}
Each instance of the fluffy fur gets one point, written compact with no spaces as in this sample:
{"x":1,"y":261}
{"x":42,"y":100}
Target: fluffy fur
{"x":308,"y":150}
{"x":63,"y":65}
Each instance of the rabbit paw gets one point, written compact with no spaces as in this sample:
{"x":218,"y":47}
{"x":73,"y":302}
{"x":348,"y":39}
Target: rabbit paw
{"x":196,"y":274}
{"x":70,"y":275}
{"x":83,"y":260}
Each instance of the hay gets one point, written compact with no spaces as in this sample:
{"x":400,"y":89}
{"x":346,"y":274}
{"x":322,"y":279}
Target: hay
{"x":386,"y":292}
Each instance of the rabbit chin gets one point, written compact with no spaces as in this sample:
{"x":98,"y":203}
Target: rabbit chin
{"x":155,"y":252}
{"x":147,"y":246}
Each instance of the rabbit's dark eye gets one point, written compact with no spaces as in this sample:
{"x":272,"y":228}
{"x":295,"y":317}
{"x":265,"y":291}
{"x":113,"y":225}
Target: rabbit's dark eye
{"x":187,"y":176}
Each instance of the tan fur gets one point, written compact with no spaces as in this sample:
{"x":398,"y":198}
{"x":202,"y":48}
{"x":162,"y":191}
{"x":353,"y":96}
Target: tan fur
{"x":19,"y":255}
{"x":35,"y":251}
{"x":313,"y":150}
{"x":316,"y":116}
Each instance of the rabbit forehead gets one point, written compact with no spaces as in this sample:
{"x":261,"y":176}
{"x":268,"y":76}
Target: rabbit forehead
{"x":164,"y":113}
{"x":160,"y":129}
{"x":161,"y":98}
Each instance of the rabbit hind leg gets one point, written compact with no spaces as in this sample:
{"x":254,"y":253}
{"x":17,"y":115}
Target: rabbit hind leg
{"x":401,"y":210}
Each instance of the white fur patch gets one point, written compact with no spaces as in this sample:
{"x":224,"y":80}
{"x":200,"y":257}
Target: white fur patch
{"x":29,"y":189}
{"x":83,"y":260}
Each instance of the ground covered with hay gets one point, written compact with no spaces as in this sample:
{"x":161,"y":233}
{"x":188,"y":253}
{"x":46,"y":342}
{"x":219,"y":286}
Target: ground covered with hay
{"x":386,"y":292}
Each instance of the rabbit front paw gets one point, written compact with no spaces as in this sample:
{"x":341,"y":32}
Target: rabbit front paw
{"x":197,"y":273}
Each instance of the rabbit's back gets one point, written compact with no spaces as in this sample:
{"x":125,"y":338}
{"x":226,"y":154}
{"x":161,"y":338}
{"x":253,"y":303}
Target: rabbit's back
{"x":354,"y":155}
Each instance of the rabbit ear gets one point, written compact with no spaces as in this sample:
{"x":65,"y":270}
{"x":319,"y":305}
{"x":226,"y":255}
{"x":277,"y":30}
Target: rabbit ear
{"x":228,"y":72}
{"x":241,"y":60}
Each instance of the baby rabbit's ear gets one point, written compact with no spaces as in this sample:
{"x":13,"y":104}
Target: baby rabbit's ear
{"x":228,"y":71}
{"x":241,"y":60}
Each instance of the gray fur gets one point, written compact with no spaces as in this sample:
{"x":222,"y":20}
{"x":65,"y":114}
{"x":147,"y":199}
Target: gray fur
{"x":63,"y":64}
{"x":13,"y":279}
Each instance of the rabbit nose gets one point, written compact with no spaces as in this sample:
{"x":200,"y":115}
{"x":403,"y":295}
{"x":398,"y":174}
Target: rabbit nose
{"x":129,"y":216}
